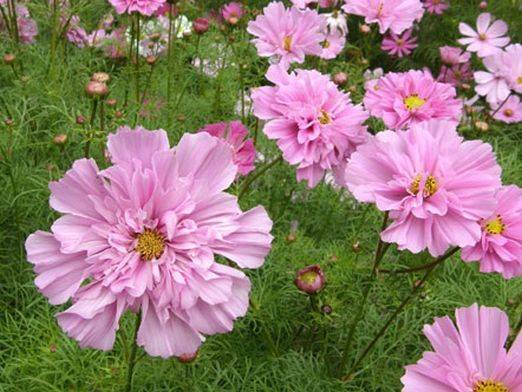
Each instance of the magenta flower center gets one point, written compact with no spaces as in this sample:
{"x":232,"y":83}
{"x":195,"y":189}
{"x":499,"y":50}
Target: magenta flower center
{"x":490,"y":386}
{"x":151,"y":244}
{"x":431,"y":186}
{"x":413,"y":102}
{"x":287,"y":43}
{"x":324,"y":118}
{"x":495,"y":226}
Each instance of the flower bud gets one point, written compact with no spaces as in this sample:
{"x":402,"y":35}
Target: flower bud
{"x":101,"y":77}
{"x":482,"y":126}
{"x":9,"y":58}
{"x":118,"y":114}
{"x":364,"y":28}
{"x":465,"y":86}
{"x":96,"y":89}
{"x":187,"y":358}
{"x":9,"y":122}
{"x":80,"y":120}
{"x":200,"y":25}
{"x":60,"y":139}
{"x":356,"y":246}
{"x":112,"y":102}
{"x":151,"y":60}
{"x":483,"y":5}
{"x":340,"y":78}
{"x":326,"y":309}
{"x":233,"y":20}
{"x":310,"y":279}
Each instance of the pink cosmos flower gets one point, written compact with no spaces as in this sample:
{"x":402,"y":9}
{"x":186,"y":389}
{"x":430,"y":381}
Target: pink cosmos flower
{"x":232,"y":12}
{"x":406,"y":98}
{"x":436,"y":6}
{"x":401,"y":45}
{"x":511,"y":66}
{"x":302,"y":4}
{"x":333,"y":44}
{"x":451,"y":55}
{"x":27,"y":27}
{"x":316,"y":125}
{"x":455,"y":75}
{"x":395,"y":15}
{"x":500,"y":248}
{"x":471,"y":358}
{"x":144,"y":7}
{"x":142,"y":236}
{"x":372,"y":77}
{"x":489,"y":37}
{"x":235,"y":134}
{"x":435,"y":186}
{"x":510,"y":112}
{"x":493,"y":84}
{"x":288,"y":34}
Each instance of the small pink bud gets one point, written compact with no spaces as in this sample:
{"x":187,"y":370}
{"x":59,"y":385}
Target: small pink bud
{"x":482,"y":126}
{"x":96,"y":89}
{"x":310,"y":279}
{"x":187,"y":358}
{"x":483,"y":5}
{"x":112,"y":102}
{"x":9,"y":122}
{"x":60,"y":139}
{"x":365,"y":29}
{"x":340,"y":78}
{"x":151,"y":60}
{"x":80,"y":120}
{"x":326,"y":309}
{"x":101,"y":77}
{"x":200,"y":25}
{"x":9,"y":58}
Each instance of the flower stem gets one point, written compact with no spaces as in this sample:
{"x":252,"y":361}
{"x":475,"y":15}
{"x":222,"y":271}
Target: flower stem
{"x":102,"y":126}
{"x":379,"y":253}
{"x":250,"y":180}
{"x":416,"y":290}
{"x":169,"y":64}
{"x":91,"y":131}
{"x":137,"y":59}
{"x":132,"y":358}
{"x":502,"y":104}
{"x":410,"y":270}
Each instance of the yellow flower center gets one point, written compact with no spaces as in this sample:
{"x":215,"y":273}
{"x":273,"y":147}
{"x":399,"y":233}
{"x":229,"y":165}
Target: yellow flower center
{"x":151,"y":244}
{"x":519,"y":80}
{"x":325,"y":44}
{"x":287,"y":43}
{"x":483,"y":37}
{"x":309,"y":277}
{"x":431,"y":186}
{"x":324,"y":118}
{"x":495,"y":226}
{"x":490,"y":386}
{"x":413,"y":102}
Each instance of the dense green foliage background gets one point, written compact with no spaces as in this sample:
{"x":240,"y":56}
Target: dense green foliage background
{"x":280,"y":345}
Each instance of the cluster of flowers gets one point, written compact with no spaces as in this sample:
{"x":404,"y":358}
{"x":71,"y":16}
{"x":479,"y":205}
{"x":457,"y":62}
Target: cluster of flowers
{"x":25,"y":26}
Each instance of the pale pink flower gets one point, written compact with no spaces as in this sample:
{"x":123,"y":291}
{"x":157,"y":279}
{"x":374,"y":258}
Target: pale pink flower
{"x":114,"y":45}
{"x":142,"y":235}
{"x":510,"y":64}
{"x":489,"y":37}
{"x":144,"y":7}
{"x":232,"y":12}
{"x":372,"y":77}
{"x":333,"y":44}
{"x":27,"y":27}
{"x":436,"y":186}
{"x":316,"y":125}
{"x":500,"y":248}
{"x":235,"y":134}
{"x":471,"y":358}
{"x":451,"y":55}
{"x":288,"y":34}
{"x":302,"y":4}
{"x":456,"y":75}
{"x":399,"y":45}
{"x":395,"y":15}
{"x":493,"y":84}
{"x":406,"y":98}
{"x":510,"y":112}
{"x":436,"y":6}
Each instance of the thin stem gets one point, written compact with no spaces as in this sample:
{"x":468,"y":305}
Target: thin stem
{"x":250,"y":180}
{"x":102,"y":125}
{"x":134,"y":350}
{"x":416,"y":289}
{"x":14,"y":21}
{"x":137,"y":59}
{"x":87,"y":149}
{"x":379,"y":253}
{"x":7,"y":20}
{"x":502,"y":104}
{"x":410,"y":270}
{"x":169,"y":63}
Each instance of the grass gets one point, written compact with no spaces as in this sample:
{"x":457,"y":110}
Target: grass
{"x":279,"y":345}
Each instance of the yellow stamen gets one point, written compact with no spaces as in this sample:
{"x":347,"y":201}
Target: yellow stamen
{"x":413,"y":102}
{"x":325,"y":44}
{"x":324,"y":118}
{"x":519,"y":80}
{"x":495,"y":226}
{"x":151,"y":244}
{"x":431,"y":186}
{"x":414,"y":186}
{"x":490,"y":386}
{"x":287,"y":43}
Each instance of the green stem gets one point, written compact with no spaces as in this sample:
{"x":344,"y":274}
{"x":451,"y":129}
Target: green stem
{"x":410,"y":270}
{"x":379,"y":253}
{"x":416,"y":290}
{"x":251,"y":179}
{"x":14,"y":21}
{"x":91,"y":132}
{"x":102,"y":127}
{"x":134,"y":350}
{"x":169,"y":65}
{"x":137,"y":59}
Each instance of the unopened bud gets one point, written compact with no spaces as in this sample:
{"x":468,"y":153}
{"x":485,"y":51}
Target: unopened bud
{"x":96,"y":89}
{"x":187,"y":358}
{"x":118,"y":114}
{"x":482,"y":126}
{"x":151,"y":60}
{"x":340,"y":78}
{"x":80,"y":120}
{"x":9,"y":122}
{"x":112,"y":102}
{"x":310,"y":279}
{"x":200,"y":25}
{"x":364,"y":28}
{"x":9,"y":58}
{"x":101,"y":77}
{"x":483,"y":5}
{"x":356,"y":247}
{"x":465,"y":86}
{"x":60,"y":139}
{"x":326,"y":309}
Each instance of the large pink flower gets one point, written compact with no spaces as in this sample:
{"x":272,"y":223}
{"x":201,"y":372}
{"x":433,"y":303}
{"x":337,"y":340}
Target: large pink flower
{"x":489,"y":37}
{"x":511,"y":66}
{"x":500,"y":248}
{"x":406,"y":98}
{"x":471,"y":358}
{"x":396,"y":15}
{"x":235,"y":134}
{"x":142,"y":235}
{"x":316,"y":125}
{"x":288,"y":34}
{"x":492,"y":84}
{"x":510,"y":112}
{"x":435,"y":186}
{"x":144,"y":7}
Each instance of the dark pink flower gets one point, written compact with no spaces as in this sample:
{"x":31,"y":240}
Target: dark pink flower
{"x":436,"y":6}
{"x":401,"y":45}
{"x":232,"y":12}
